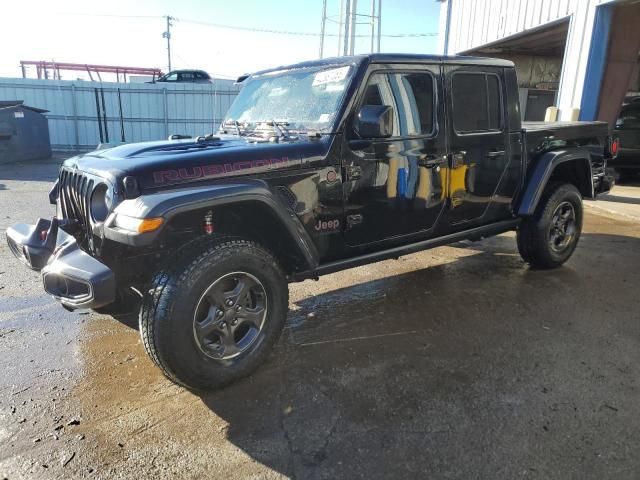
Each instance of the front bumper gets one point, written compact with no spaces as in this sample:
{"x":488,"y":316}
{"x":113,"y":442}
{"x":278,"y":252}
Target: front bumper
{"x":72,"y":276}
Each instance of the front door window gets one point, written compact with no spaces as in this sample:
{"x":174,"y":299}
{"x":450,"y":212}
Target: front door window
{"x":400,"y":189}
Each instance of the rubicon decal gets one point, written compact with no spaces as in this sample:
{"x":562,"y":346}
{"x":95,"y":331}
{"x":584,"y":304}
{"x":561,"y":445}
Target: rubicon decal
{"x":186,"y":174}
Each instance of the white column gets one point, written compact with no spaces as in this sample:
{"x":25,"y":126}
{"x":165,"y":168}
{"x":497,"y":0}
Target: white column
{"x":576,"y":57}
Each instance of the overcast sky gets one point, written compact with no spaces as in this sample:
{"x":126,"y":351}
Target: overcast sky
{"x":129,"y":32}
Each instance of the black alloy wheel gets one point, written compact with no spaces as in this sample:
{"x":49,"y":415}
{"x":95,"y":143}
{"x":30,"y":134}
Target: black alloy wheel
{"x":562,"y":228}
{"x":230,"y":315}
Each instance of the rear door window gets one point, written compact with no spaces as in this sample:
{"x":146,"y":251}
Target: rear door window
{"x":477,"y":103}
{"x":186,"y":77}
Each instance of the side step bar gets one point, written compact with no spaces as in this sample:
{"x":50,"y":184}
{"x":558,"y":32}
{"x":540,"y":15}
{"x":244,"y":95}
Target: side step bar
{"x":395,"y":252}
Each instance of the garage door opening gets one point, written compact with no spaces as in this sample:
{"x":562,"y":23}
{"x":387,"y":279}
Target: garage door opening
{"x":538,"y":55}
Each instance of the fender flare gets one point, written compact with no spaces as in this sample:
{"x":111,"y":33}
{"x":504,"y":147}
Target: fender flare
{"x":168,"y":204}
{"x":539,"y":176}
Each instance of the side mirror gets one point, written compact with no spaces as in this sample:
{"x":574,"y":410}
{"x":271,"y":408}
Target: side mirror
{"x":374,"y":121}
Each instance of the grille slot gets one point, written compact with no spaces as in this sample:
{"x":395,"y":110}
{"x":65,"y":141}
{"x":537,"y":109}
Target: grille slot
{"x":75,"y":191}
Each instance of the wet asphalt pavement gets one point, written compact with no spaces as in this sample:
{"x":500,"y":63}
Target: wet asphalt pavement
{"x":451,"y":363}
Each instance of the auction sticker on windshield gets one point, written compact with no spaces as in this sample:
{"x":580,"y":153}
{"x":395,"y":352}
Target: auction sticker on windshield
{"x":330,"y":76}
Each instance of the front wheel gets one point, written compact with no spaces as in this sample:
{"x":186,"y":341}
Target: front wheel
{"x":213,"y":317}
{"x":549,"y":237}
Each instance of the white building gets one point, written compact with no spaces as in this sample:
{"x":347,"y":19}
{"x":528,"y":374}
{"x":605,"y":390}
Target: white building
{"x":580,"y":55}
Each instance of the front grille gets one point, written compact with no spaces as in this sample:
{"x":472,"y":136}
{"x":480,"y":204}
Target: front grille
{"x":74,"y":189}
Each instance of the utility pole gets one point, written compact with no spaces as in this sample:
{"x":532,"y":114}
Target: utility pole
{"x":352,"y":28}
{"x":167,"y":35}
{"x":322,"y":27}
{"x":379,"y":23}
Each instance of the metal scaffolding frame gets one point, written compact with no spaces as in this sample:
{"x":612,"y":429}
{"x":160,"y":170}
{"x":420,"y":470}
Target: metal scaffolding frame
{"x":46,"y":70}
{"x":348,"y":21}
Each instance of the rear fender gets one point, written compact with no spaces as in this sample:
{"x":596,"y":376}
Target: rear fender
{"x":169,"y":204}
{"x":543,"y":171}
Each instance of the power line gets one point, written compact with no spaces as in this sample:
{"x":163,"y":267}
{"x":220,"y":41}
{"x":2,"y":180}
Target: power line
{"x":302,"y":34}
{"x":251,"y":29}
{"x":107,"y":15}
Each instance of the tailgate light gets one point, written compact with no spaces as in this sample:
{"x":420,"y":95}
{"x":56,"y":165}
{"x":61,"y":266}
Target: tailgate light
{"x":613,"y":147}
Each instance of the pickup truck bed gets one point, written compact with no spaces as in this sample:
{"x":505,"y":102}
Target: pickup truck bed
{"x":574,"y":133}
{"x":540,"y":137}
{"x":578,"y":132}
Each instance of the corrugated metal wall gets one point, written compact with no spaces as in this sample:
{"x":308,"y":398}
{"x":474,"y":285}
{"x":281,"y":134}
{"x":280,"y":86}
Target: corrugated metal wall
{"x":478,"y":22}
{"x":149,"y":111}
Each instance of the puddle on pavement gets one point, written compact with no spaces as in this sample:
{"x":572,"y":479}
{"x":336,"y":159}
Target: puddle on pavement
{"x":132,"y":415}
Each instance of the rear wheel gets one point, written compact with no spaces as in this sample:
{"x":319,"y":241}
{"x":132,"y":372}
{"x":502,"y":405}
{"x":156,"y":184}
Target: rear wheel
{"x":549,"y":237}
{"x":214,"y":316}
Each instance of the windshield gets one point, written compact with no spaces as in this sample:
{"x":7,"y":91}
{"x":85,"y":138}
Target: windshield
{"x":303,"y":99}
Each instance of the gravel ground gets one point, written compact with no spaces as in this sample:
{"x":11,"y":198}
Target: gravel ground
{"x":451,"y":363}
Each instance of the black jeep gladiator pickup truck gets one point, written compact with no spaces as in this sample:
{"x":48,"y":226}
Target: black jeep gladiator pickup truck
{"x":318,"y":167}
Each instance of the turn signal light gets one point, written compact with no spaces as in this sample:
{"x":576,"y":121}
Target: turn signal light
{"x":137,"y":225}
{"x":149,"y":224}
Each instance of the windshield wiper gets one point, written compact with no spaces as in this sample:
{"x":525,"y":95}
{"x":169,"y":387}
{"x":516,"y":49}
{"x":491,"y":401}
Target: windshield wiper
{"x":233,"y":123}
{"x":281,"y":128}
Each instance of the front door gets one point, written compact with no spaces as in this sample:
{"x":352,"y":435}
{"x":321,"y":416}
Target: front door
{"x":478,"y":141}
{"x":394,"y":186}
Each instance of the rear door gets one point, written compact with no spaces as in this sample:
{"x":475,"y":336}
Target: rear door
{"x":478,"y":140}
{"x":393,"y":186}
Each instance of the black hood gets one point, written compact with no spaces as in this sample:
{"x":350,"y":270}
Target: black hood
{"x":176,"y":162}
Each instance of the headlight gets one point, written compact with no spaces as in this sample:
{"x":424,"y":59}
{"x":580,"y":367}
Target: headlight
{"x":138,"y":225}
{"x":101,"y":202}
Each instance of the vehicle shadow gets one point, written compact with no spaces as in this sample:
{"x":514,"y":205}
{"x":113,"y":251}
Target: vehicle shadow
{"x":475,"y":368}
{"x":619,"y":199}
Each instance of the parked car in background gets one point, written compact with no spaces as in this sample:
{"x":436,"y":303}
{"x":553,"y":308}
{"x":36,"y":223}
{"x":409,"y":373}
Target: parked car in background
{"x":628,"y":129}
{"x":185,"y":76}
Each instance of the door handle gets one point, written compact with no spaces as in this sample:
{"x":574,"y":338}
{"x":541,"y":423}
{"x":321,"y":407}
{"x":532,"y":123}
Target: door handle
{"x":430,"y":161}
{"x":495,"y":154}
{"x":353,"y":172}
{"x":458,"y":158}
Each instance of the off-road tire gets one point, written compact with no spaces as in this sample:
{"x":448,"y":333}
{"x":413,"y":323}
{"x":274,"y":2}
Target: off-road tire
{"x":167,"y":316}
{"x":533,"y":233}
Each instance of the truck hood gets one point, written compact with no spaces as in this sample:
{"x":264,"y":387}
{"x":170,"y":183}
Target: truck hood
{"x":177,"y":162}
